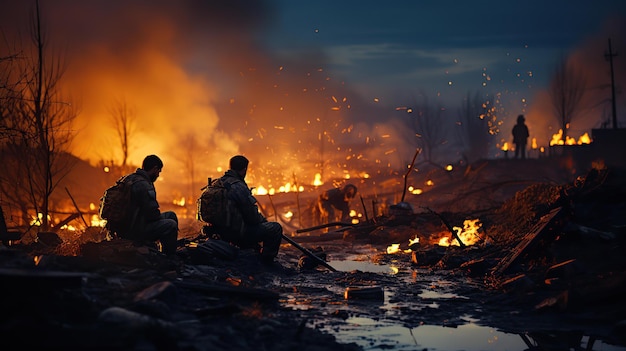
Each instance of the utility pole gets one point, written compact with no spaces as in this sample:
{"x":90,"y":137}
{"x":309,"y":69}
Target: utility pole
{"x":609,"y":56}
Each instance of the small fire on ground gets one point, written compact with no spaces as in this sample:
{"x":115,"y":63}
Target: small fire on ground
{"x":469,"y":235}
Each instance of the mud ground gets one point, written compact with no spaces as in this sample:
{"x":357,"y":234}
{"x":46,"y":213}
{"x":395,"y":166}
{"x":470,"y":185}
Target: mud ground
{"x":120,"y":295}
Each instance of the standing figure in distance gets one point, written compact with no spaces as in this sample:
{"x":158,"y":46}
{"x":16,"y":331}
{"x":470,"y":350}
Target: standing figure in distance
{"x":335,"y":199}
{"x":148,"y":222}
{"x":520,"y":137}
{"x":249,"y":227}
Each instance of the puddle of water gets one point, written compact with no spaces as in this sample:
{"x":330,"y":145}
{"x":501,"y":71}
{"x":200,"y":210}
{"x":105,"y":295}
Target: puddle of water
{"x":379,"y":335}
{"x":363,"y":266}
{"x":430,"y":294}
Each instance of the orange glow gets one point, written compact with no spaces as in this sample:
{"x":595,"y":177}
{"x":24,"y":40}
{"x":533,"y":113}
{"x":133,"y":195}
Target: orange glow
{"x":505,"y":147}
{"x":395,"y":248}
{"x":318,"y":180}
{"x":557,"y":139}
{"x":415,"y":191}
{"x":469,"y":234}
{"x":260,"y":190}
{"x":96,"y":221}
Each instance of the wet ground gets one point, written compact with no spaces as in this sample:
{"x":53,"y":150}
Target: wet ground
{"x":445,"y":302}
{"x":118,"y":295}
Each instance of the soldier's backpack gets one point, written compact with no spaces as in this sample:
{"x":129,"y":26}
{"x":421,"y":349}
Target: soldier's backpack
{"x":116,"y":203}
{"x":214,"y":207}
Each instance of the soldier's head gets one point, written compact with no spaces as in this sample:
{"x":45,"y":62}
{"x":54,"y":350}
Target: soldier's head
{"x":153,"y":165}
{"x":239,"y":164}
{"x":349,"y":190}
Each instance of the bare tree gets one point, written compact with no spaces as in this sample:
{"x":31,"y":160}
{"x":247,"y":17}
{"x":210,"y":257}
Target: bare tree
{"x":567,"y":90}
{"x":42,"y":121}
{"x":123,"y":119}
{"x":477,"y":122}
{"x":427,"y":123}
{"x":10,"y":79}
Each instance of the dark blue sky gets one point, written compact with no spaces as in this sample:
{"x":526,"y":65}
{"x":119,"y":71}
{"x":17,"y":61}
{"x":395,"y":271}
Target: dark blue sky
{"x":386,"y":49}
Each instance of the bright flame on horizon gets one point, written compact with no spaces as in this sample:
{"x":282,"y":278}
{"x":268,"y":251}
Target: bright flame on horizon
{"x":557,"y":139}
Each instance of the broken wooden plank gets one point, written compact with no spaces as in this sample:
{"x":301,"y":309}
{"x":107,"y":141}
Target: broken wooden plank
{"x":529,"y":240}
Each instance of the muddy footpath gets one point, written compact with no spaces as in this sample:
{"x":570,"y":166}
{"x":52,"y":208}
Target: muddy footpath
{"x":548,"y":264}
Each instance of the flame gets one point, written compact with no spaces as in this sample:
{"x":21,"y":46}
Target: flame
{"x":415,"y":191}
{"x":469,"y":234}
{"x":318,"y":180}
{"x":557,"y":139}
{"x":505,"y":147}
{"x":395,"y":248}
{"x":533,"y":144}
{"x":584,"y":139}
{"x":449,"y":168}
{"x":37,"y":221}
{"x":260,"y":190}
{"x":179,"y":202}
{"x":96,"y":221}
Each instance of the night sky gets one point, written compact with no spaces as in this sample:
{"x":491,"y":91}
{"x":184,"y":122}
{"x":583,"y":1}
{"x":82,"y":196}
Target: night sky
{"x":267,"y":78}
{"x":391,"y":50}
